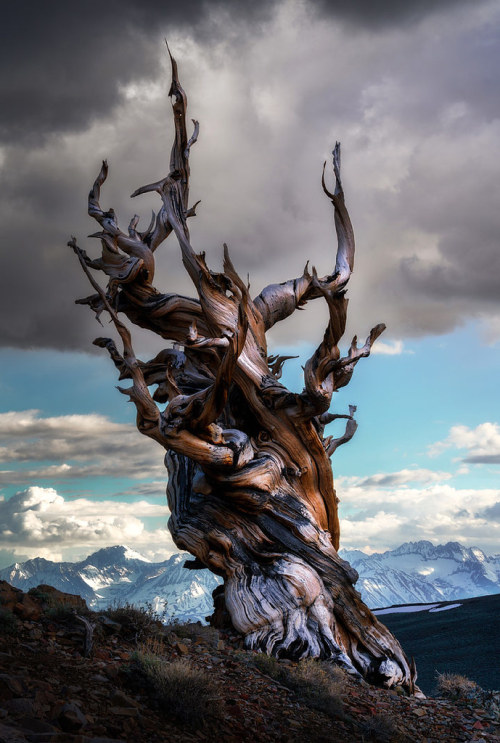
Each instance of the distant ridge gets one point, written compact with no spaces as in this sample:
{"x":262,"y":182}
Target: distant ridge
{"x":421,"y":572}
{"x":414,"y":572}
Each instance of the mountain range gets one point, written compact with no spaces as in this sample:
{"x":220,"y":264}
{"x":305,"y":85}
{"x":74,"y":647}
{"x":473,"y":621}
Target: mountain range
{"x":419,"y":572}
{"x":120,"y":575}
{"x":415,"y":572}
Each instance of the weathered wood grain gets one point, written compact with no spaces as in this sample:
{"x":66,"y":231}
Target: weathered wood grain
{"x":250,"y":483}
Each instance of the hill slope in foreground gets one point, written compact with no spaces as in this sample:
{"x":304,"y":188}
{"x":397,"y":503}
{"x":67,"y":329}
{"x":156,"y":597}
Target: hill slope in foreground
{"x":68,"y":675}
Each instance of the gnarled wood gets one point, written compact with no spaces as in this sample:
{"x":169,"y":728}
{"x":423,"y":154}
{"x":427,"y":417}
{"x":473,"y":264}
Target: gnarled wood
{"x":250,"y":485}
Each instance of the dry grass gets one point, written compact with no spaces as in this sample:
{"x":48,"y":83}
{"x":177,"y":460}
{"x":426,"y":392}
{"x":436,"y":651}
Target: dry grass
{"x":317,"y":687}
{"x":269,"y":665}
{"x":455,"y":686}
{"x":194,"y":630}
{"x":151,"y":646}
{"x":316,"y":684}
{"x":179,"y":688}
{"x":381,"y":728}
{"x":138,"y":622}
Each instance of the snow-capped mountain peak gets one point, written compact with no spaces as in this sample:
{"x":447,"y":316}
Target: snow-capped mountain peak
{"x":413,"y":572}
{"x":119,"y":575}
{"x":424,"y":572}
{"x":117,"y":555}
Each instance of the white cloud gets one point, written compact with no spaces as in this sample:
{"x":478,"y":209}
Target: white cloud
{"x":387,"y":517}
{"x":77,"y":446}
{"x":491,"y":329}
{"x":391,"y":348}
{"x":40,"y":522}
{"x":481,"y":443}
{"x":403,"y":477}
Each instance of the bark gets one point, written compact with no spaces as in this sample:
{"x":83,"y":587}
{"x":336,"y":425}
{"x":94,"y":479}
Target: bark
{"x":250,"y":484}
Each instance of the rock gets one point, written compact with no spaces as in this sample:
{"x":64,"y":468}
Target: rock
{"x":20,"y":706}
{"x":9,"y":734}
{"x":181,"y":648}
{"x":10,"y":686}
{"x":56,"y":597}
{"x":124,"y":711}
{"x":123,"y":700}
{"x":72,"y":718}
{"x":21,"y":604}
{"x":110,"y":625}
{"x":36,"y":729}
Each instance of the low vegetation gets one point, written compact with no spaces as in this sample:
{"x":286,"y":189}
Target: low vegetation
{"x":137,"y":622}
{"x":59,"y":612}
{"x":381,"y":728}
{"x":178,"y":687}
{"x":39,"y":594}
{"x":319,"y":685}
{"x":193,"y":630}
{"x":464,"y":691}
{"x":455,"y":686}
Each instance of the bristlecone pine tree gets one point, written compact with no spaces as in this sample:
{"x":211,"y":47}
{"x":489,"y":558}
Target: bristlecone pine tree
{"x":250,"y":485}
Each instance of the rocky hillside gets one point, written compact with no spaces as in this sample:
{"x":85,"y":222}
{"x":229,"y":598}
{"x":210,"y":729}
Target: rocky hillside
{"x":69,"y":675}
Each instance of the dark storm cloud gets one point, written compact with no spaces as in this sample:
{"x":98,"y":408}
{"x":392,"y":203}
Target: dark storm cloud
{"x":64,"y":62}
{"x":407,"y":87}
{"x":383,"y":13}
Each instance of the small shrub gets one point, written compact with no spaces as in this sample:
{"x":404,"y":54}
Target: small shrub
{"x":179,"y":688}
{"x":40,"y":595}
{"x":138,"y":622}
{"x":9,"y":624}
{"x":382,"y":729}
{"x":316,"y":684}
{"x":59,"y":612}
{"x":455,"y":686}
{"x":269,"y":665}
{"x":316,"y":687}
{"x":151,"y":646}
{"x":192,"y":630}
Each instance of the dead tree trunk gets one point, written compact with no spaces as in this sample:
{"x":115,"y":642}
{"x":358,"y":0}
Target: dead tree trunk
{"x":250,"y":485}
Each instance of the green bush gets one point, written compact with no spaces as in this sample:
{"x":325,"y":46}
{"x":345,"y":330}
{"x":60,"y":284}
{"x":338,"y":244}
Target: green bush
{"x":269,"y":665}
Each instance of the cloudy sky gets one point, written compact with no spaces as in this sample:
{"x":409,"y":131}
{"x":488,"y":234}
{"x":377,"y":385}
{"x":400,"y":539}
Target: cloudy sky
{"x":411,"y":90}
